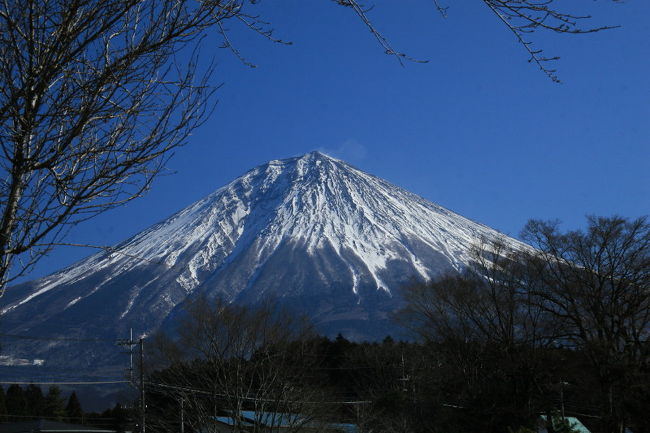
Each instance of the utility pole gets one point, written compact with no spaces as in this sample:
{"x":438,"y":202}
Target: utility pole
{"x":562,"y":383}
{"x":182,"y":415}
{"x":131,"y":354}
{"x":142,"y":403}
{"x":405,"y":378}
{"x":130,"y":343}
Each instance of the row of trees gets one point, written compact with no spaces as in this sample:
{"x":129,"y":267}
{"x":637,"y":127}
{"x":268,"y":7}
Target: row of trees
{"x":19,"y":404}
{"x":578,"y":297}
{"x":395,"y":387}
{"x":558,"y":329}
{"x":24,"y":403}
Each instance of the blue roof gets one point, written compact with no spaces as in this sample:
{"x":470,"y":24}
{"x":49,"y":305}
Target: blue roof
{"x":346,"y":428}
{"x":275,"y":419}
{"x":574,"y":423}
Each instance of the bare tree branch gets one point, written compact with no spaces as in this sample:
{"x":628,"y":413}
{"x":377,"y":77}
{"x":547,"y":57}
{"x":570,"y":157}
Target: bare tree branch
{"x":94,"y":97}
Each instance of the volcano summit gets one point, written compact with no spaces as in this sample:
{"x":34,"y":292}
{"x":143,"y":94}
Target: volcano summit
{"x":311,"y":232}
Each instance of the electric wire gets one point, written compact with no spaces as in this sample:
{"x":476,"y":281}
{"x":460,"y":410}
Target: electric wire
{"x":255,"y":399}
{"x":38,"y":338}
{"x":98,"y":382}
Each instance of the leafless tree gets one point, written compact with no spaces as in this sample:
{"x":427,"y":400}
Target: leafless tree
{"x":92,"y":102}
{"x":388,"y":377}
{"x":582,"y":291}
{"x":486,"y":303}
{"x":491,"y":341}
{"x":597,"y":283}
{"x":232,"y":361}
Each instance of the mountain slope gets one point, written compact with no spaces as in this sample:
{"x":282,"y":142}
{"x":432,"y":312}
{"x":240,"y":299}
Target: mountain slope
{"x":312,"y":232}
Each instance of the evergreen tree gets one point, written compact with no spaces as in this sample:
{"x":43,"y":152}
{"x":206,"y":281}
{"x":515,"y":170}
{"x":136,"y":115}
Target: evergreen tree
{"x":35,"y":401}
{"x":73,"y":409}
{"x":119,"y":417}
{"x":16,"y":403}
{"x":55,"y":404}
{"x":3,"y":405}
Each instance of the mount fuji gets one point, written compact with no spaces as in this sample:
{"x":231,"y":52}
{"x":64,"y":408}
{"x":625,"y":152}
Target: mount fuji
{"x":311,"y":232}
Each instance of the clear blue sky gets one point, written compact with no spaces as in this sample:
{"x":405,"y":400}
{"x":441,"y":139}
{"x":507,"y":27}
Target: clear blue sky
{"x":478,"y":129}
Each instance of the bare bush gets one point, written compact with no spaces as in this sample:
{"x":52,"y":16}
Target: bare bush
{"x":234,"y":361}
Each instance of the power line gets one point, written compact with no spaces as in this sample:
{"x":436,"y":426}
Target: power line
{"x":30,"y":337}
{"x":98,"y":382}
{"x":213,"y":394}
{"x":47,"y":369}
{"x":94,"y":419}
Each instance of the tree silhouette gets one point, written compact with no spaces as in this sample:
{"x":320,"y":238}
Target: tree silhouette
{"x":55,"y":404}
{"x":73,"y":408}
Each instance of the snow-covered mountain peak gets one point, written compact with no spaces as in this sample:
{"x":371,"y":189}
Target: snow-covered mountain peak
{"x":312,"y":230}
